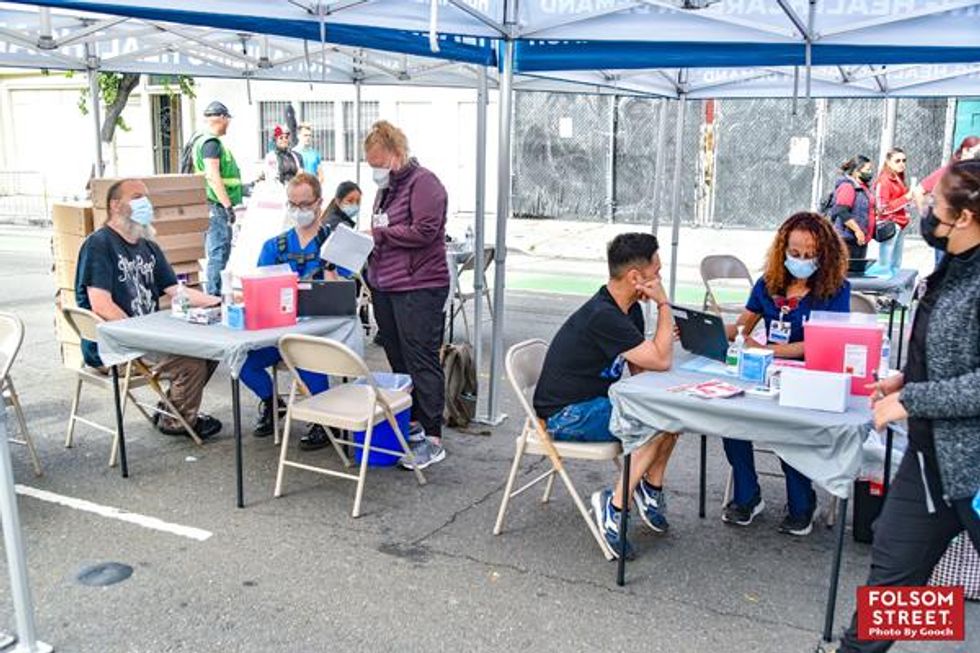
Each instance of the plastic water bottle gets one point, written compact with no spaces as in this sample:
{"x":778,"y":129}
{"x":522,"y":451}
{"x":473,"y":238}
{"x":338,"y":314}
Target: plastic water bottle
{"x":181,"y":304}
{"x":227,"y":295}
{"x":733,"y":358}
{"x":886,"y":357}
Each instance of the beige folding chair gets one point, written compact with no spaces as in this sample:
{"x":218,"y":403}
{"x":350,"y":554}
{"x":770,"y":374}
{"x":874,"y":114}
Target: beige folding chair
{"x":11,"y":338}
{"x":135,"y":374}
{"x":862,"y":304}
{"x":723,"y":267}
{"x":345,"y":407}
{"x":523,"y":366}
{"x":462,"y":297}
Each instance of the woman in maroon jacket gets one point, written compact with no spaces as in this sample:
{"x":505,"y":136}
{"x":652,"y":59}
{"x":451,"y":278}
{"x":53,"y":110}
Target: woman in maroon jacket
{"x":892,"y":197}
{"x":409,"y":279}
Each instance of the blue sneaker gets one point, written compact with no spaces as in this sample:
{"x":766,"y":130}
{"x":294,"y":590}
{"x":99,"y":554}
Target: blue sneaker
{"x":608,"y":519}
{"x":652,"y":506}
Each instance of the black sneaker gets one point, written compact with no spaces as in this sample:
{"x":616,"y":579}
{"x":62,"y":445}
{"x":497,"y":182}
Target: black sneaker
{"x":263,"y":425}
{"x":315,"y":438}
{"x":739,"y":515}
{"x":800,"y":525}
{"x":205,"y":425}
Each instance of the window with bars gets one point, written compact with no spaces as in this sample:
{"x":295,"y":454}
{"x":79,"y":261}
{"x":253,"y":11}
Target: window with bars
{"x":370,"y":112}
{"x":271,"y":113}
{"x":320,"y":116}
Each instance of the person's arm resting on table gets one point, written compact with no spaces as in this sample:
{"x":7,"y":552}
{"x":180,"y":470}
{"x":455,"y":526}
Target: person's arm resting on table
{"x":655,"y":355}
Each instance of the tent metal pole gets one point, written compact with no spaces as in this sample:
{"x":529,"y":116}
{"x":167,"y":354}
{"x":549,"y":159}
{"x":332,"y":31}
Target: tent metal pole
{"x":503,"y":211}
{"x":821,"y":108}
{"x":93,"y":92}
{"x":611,"y":164}
{"x":658,"y":165}
{"x":675,"y":193}
{"x":479,"y":218}
{"x":888,"y":128}
{"x":20,"y":588}
{"x":357,"y":132}
{"x":811,"y":15}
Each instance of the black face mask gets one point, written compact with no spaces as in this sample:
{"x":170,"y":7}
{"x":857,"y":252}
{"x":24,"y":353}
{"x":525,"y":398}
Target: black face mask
{"x":865,"y":176}
{"x":927,"y":227}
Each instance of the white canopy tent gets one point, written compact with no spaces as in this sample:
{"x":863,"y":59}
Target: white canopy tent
{"x":661,"y":48}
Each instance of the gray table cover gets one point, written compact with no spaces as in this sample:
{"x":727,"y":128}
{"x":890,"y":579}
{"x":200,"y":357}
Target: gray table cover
{"x":160,"y":332}
{"x":900,"y":286}
{"x":824,"y":446}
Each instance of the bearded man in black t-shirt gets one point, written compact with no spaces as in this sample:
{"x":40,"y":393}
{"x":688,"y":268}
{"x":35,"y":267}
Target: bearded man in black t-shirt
{"x":589,"y":353}
{"x":122,"y":273}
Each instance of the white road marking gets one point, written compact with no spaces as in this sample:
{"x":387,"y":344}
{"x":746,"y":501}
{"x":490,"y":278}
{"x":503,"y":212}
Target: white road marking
{"x":115,"y":513}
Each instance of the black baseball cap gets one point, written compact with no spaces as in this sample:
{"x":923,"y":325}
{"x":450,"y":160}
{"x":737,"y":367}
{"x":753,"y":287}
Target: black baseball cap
{"x":216,"y":109}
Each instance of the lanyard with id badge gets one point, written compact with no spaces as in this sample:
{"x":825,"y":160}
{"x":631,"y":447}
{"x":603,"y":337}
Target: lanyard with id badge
{"x":780,"y":328}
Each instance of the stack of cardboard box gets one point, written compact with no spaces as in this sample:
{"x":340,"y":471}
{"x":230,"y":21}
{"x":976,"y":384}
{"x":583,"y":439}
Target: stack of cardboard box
{"x":72,"y":222}
{"x":181,"y":222}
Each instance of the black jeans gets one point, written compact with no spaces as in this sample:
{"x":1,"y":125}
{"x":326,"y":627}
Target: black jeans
{"x":856,"y":251}
{"x":411,"y":327}
{"x":908,"y":540}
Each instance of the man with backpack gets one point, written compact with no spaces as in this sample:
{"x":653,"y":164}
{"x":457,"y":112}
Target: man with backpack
{"x":208,"y":155}
{"x":299,"y":248}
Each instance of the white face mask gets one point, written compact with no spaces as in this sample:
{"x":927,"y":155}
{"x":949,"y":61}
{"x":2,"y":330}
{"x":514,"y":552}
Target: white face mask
{"x":381,"y":176}
{"x":303,"y":217}
{"x":350,"y":210}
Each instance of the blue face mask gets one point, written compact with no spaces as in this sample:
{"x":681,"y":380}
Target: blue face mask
{"x":141,"y":211}
{"x":801,"y":268}
{"x":350,"y":210}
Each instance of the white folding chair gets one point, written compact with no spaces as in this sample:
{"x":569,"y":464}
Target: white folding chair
{"x":346,"y":407}
{"x":723,"y":267}
{"x":11,"y":338}
{"x":135,"y":374}
{"x":523,"y":366}
{"x":460,"y":297}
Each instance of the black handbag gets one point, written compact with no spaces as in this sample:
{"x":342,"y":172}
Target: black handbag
{"x":885,"y":230}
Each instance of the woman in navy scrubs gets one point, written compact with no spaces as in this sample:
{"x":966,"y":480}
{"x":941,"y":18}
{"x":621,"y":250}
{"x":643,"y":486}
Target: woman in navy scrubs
{"x":805,"y":271}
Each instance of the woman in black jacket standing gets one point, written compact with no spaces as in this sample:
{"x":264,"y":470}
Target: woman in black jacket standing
{"x":344,"y":206}
{"x":931,"y":499}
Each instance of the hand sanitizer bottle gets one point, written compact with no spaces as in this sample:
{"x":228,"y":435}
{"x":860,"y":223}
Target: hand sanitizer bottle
{"x":734,"y":357}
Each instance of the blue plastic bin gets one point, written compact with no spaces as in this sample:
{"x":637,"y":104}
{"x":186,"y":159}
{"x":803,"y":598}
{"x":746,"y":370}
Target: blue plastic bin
{"x":383,"y":435}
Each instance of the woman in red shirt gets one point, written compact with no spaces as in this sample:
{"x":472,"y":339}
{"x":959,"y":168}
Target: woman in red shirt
{"x":891,"y":200}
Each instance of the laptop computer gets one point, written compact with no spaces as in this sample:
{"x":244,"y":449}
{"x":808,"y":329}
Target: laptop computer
{"x":856,"y":267}
{"x":326,"y":299}
{"x":701,"y":333}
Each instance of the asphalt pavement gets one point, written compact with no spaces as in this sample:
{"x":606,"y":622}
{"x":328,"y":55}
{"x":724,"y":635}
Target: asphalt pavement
{"x":419,"y":571}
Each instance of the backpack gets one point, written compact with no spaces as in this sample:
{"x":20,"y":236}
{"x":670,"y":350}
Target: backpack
{"x":461,"y":388}
{"x":187,"y":155}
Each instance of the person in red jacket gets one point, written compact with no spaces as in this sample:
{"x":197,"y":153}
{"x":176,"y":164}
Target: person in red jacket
{"x":892,"y":197}
{"x":409,"y":279}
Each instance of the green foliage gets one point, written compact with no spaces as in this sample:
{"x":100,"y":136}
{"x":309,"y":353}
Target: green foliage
{"x":109,"y":85}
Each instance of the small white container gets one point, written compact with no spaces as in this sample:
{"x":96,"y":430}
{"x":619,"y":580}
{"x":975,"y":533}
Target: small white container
{"x":801,"y":388}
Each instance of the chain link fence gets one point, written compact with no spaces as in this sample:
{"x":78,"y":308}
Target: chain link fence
{"x":755,"y":164}
{"x":561,"y":155}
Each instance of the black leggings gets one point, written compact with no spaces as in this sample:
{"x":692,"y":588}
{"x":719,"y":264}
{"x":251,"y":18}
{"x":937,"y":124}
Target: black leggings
{"x":411,"y":327}
{"x":908,"y":540}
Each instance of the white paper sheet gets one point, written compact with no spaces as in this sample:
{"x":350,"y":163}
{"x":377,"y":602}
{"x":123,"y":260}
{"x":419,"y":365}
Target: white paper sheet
{"x":347,"y":248}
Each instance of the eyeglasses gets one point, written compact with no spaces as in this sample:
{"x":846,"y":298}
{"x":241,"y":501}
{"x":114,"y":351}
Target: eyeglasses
{"x":303,"y":207}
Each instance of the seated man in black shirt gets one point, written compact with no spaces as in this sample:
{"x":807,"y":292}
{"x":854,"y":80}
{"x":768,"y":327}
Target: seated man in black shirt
{"x":588,"y":355}
{"x":122,"y":273}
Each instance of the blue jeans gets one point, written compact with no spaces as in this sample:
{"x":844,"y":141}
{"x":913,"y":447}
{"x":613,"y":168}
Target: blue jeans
{"x":799,"y":489}
{"x":890,"y":251}
{"x":217,"y":244}
{"x":255,"y":374}
{"x":587,"y":421}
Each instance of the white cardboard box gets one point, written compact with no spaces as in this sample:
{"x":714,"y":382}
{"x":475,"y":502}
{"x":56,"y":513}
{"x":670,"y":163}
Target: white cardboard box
{"x":800,"y":388}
